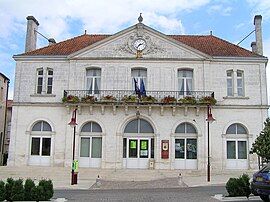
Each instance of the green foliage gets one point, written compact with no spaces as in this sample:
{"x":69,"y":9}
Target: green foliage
{"x":14,"y":190}
{"x":149,"y":98}
{"x":17,"y":191}
{"x":28,"y":186}
{"x":8,"y":188}
{"x":48,"y":188}
{"x":89,"y":99}
{"x":2,"y":191}
{"x":239,"y":186}
{"x":71,"y":99}
{"x":261,"y":146}
{"x":208,"y":100}
{"x":130,"y":98}
{"x":188,"y":100}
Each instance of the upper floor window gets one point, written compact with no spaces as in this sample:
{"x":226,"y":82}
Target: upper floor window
{"x":185,"y":81}
{"x":44,"y":81}
{"x":230,"y":83}
{"x":235,"y":83}
{"x":140,"y":75}
{"x":93,"y":80}
{"x":240,"y":83}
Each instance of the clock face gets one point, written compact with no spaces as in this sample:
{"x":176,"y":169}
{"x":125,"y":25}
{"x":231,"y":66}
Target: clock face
{"x":139,"y":44}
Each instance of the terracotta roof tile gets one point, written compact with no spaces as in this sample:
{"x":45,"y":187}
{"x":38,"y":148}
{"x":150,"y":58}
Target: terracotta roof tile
{"x":207,"y":44}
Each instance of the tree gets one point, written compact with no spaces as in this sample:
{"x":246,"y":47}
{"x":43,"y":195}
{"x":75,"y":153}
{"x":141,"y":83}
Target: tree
{"x":261,"y":146}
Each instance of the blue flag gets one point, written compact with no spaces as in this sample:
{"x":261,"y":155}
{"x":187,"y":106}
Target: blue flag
{"x":142,"y":88}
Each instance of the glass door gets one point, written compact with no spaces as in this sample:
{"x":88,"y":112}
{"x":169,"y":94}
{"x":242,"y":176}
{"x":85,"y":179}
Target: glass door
{"x":144,"y":149}
{"x":133,"y":148}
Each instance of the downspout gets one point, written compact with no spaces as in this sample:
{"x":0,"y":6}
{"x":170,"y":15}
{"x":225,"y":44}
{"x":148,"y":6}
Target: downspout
{"x":5,"y":121}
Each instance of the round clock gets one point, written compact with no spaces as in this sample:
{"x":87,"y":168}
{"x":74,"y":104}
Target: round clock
{"x":139,"y":44}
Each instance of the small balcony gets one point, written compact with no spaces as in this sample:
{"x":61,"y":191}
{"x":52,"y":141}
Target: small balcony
{"x":129,"y":97}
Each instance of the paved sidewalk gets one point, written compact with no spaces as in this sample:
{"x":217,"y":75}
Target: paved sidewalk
{"x":118,"y":179}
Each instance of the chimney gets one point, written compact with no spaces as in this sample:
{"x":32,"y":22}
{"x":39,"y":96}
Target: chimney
{"x":253,"y":47}
{"x":31,"y":35}
{"x":258,"y":34}
{"x":51,"y":41}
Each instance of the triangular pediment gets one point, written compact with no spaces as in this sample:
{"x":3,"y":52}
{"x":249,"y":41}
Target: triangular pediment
{"x":124,"y":44}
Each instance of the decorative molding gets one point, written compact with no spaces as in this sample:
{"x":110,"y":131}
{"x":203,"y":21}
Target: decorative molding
{"x":126,"y":110}
{"x":197,"y":111}
{"x":114,"y":110}
{"x":173,"y":110}
{"x":149,"y":111}
{"x":91,"y":110}
{"x":161,"y":110}
{"x":102,"y":109}
{"x":185,"y":111}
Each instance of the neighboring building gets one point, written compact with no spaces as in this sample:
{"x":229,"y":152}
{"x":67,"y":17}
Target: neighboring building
{"x":4,"y":84}
{"x":8,"y":128}
{"x":89,"y":71}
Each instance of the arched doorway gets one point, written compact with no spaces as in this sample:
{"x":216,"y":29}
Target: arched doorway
{"x":40,"y":144}
{"x":138,"y":144}
{"x":186,"y":146}
{"x":90,"y":145}
{"x":236,"y":147}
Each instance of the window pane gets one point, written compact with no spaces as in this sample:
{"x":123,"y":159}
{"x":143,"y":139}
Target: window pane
{"x":239,"y":83}
{"x":240,"y":92}
{"x":46,"y":146}
{"x":239,"y":74}
{"x":39,"y":89}
{"x":87,"y":127}
{"x":191,"y":148}
{"x":229,"y":74}
{"x":96,"y":147}
{"x":181,"y":86}
{"x":46,"y":126}
{"x":242,"y":150}
{"x":133,"y":148}
{"x":231,"y":129}
{"x":35,"y":146}
{"x":85,"y":147}
{"x":96,"y":128}
{"x":40,"y":80}
{"x":49,"y":89}
{"x":132,"y":127}
{"x":190,"y":128}
{"x":145,"y":127}
{"x":143,"y":148}
{"x":124,"y":147}
{"x":37,"y":126}
{"x":231,"y":153}
{"x":40,"y":72}
{"x":152,"y":148}
{"x":179,"y":148}
{"x":139,"y":73}
{"x":229,"y":87}
{"x":93,"y":72}
{"x":188,"y":85}
{"x":180,"y":128}
{"x":50,"y":72}
{"x":50,"y":80}
{"x":241,"y":129}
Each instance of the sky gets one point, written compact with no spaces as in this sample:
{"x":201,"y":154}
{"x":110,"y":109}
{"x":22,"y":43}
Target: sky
{"x":231,"y":20}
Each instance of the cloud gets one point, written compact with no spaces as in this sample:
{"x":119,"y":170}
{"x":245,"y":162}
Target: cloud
{"x":261,"y":7}
{"x":220,"y":9}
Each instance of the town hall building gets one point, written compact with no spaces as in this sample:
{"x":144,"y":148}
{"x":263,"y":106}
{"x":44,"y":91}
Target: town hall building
{"x":142,"y":99}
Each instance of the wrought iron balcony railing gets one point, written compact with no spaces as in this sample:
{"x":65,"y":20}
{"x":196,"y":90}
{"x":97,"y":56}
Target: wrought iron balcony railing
{"x":129,"y":96}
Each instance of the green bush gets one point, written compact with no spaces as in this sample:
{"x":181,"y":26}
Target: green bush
{"x":48,"y":188}
{"x":28,"y":186}
{"x":8,"y":188}
{"x":17,"y":191}
{"x":239,"y":186}
{"x":2,"y":191}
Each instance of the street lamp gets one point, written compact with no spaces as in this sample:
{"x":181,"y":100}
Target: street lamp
{"x":209,"y":119}
{"x":73,"y":124}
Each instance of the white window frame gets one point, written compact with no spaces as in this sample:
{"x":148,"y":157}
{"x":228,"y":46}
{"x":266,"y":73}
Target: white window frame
{"x":94,"y":78}
{"x":138,"y":78}
{"x":232,"y":81}
{"x":236,"y":140}
{"x":242,"y":83}
{"x":185,"y":79}
{"x":41,"y":137}
{"x":235,"y":87}
{"x":44,"y":85}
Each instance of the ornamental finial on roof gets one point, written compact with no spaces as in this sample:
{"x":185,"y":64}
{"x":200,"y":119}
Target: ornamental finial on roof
{"x":140,"y":18}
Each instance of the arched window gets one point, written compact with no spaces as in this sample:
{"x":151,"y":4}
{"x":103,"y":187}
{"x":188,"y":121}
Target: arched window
{"x":91,"y":127}
{"x":186,"y":145}
{"x":41,"y":139}
{"x":91,"y":142}
{"x":236,"y":143}
{"x":236,"y":128}
{"x":185,"y":128}
{"x":139,"y":126}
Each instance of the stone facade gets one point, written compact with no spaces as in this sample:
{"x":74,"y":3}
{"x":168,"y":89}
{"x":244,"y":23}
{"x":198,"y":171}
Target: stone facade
{"x":116,"y":60}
